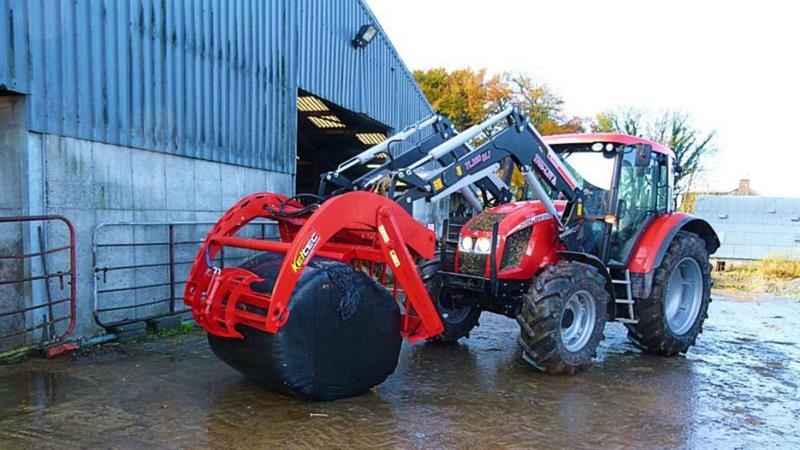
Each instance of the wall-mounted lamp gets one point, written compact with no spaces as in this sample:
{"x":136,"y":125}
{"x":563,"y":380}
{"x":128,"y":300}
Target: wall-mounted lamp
{"x":364,"y":36}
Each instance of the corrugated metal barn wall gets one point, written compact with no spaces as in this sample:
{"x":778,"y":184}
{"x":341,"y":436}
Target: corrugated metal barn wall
{"x":195,"y":78}
{"x":373,"y":80}
{"x":212,"y":79}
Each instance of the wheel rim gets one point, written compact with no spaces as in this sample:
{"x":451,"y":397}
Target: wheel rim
{"x":448,"y":315}
{"x":577,"y":321}
{"x":684,"y":296}
{"x":453,"y":315}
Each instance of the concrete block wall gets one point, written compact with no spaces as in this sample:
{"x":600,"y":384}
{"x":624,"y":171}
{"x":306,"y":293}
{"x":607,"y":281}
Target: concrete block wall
{"x":92,"y":183}
{"x":12,"y":138}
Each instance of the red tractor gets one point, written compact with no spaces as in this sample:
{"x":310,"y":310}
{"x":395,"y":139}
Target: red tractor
{"x":594,"y":238}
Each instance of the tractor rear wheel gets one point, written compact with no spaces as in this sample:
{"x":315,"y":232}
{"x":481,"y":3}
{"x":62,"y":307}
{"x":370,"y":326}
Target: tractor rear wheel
{"x":458,"y":320}
{"x":672,"y":317}
{"x":562,"y":318}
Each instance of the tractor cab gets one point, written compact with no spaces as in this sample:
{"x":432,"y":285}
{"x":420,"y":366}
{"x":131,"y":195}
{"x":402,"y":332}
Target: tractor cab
{"x":618,"y":184}
{"x":626,"y":183}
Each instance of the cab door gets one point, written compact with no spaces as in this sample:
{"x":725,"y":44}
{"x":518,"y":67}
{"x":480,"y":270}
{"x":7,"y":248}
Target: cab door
{"x":642,"y":194}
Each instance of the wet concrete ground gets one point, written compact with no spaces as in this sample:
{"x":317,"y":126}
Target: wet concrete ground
{"x":737,"y":388}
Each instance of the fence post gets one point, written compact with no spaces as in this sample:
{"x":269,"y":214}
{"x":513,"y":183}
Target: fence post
{"x":52,"y":328}
{"x":171,"y":231}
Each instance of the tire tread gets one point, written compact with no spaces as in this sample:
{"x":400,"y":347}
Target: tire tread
{"x":540,"y":317}
{"x":651,"y":333}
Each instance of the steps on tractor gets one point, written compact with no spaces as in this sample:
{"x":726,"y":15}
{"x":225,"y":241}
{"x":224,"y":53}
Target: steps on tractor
{"x":448,"y":241}
{"x":625,"y":299}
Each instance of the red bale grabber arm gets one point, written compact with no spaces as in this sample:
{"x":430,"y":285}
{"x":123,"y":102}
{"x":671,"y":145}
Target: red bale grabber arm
{"x":352,"y":227}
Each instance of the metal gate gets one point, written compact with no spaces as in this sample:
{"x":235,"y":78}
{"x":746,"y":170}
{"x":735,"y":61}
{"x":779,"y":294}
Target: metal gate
{"x":140,"y":268}
{"x":37,"y":281}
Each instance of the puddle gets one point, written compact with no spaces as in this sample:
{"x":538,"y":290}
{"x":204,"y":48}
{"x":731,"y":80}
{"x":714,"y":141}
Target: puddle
{"x":737,"y":387}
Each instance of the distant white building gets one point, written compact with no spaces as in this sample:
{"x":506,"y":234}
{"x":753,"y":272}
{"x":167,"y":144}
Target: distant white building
{"x":753,"y":227}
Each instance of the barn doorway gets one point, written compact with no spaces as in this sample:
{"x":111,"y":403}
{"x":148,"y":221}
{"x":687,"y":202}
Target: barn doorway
{"x":327,"y":135}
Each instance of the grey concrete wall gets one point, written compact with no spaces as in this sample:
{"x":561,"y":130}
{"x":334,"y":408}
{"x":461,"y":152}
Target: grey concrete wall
{"x":12,"y":144}
{"x":92,"y":183}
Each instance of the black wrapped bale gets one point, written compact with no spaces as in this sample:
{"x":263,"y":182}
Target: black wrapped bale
{"x":341,"y":339}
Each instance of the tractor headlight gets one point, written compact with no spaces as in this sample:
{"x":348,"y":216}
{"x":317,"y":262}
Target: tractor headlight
{"x":483,"y":245}
{"x":465,"y":244}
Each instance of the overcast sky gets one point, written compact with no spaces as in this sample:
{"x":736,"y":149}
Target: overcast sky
{"x":733,"y":66}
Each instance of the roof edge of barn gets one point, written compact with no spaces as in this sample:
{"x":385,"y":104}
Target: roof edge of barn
{"x":408,"y":72}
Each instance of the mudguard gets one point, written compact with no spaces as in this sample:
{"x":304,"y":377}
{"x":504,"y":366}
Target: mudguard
{"x":649,"y":251}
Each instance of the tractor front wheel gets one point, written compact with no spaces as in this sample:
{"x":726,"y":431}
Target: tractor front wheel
{"x":458,"y":319}
{"x":562,"y":318}
{"x":672,"y":317}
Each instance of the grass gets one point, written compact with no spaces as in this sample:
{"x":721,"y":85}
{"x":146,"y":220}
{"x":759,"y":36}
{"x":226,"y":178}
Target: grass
{"x":20,"y":354}
{"x":774,"y":275}
{"x":14,"y":356}
{"x":184,"y":328}
{"x":782,"y":269}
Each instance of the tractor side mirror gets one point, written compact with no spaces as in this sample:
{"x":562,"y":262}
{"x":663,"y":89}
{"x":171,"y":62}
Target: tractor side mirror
{"x":643,"y":152}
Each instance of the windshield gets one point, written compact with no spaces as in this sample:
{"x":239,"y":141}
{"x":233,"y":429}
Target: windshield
{"x":594,"y":171}
{"x":595,"y":168}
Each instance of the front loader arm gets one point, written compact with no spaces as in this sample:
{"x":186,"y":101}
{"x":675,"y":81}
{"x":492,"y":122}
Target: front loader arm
{"x":520,"y":142}
{"x":443,"y":130}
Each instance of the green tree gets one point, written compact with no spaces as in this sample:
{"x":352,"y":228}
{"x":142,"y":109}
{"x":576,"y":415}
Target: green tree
{"x":469,"y":96}
{"x":604,"y":123}
{"x":460,"y":95}
{"x":628,"y":121}
{"x":543,"y":106}
{"x":691,"y":146}
{"x":673,"y":129}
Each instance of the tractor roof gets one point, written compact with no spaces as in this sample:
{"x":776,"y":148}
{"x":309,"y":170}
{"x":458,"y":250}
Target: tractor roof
{"x":614,"y":138}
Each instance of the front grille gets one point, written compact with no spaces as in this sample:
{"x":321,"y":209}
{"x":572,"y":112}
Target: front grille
{"x":516,"y":244}
{"x":484,"y":221}
{"x":472,"y":264}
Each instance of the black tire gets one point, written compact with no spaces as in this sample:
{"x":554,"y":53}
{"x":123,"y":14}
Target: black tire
{"x":652,"y":333}
{"x":457,"y":322}
{"x":544,"y":312}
